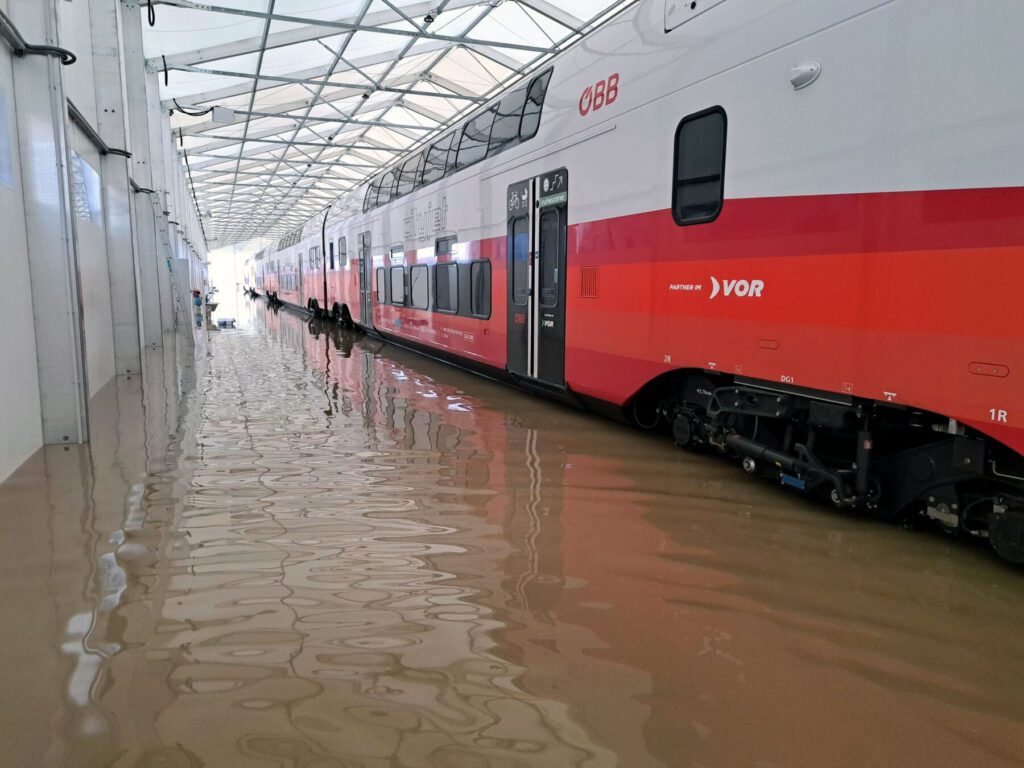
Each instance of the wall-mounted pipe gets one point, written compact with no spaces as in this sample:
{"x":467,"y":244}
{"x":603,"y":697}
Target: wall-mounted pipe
{"x":21,"y":47}
{"x":92,"y":134}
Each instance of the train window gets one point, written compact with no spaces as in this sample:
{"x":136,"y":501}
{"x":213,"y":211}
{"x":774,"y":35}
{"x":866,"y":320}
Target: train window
{"x":387,"y":186}
{"x":549,"y":243}
{"x":446,"y":287}
{"x":408,"y":175}
{"x":437,"y":159}
{"x":398,"y":286}
{"x":330,"y":249}
{"x":520,"y":260}
{"x":699,"y":167}
{"x":371,"y":194}
{"x":534,"y":104}
{"x":381,"y":290}
{"x":342,"y":252}
{"x":444,"y":246}
{"x":480,"y":288}
{"x":419,"y":286}
{"x":475,"y":136}
{"x":505,"y":132}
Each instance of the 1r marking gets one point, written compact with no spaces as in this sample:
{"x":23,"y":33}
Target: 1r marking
{"x":997,"y":415}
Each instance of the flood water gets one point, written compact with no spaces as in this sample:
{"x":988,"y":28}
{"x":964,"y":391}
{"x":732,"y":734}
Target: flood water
{"x":313,"y":550}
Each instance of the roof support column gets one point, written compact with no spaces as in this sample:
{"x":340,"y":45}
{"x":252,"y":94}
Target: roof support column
{"x":111,"y":125}
{"x":148,"y":203}
{"x":53,"y":264}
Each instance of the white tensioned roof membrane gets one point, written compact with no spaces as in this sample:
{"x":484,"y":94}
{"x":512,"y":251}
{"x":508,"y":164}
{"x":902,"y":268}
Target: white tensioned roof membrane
{"x":324,"y":93}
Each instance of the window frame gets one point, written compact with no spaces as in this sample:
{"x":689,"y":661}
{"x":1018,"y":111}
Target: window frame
{"x":490,"y":292}
{"x":418,"y":160}
{"x":525,"y":220}
{"x":391,"y":285}
{"x":450,"y":136}
{"x":546,"y":76}
{"x":389,"y":173}
{"x":381,"y":294}
{"x":491,"y":110}
{"x":447,"y":265}
{"x":342,"y":252}
{"x":412,"y":283}
{"x":706,"y":219}
{"x":492,"y":147}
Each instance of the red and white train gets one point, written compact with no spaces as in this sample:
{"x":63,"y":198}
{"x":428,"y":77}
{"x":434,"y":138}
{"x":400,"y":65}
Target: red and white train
{"x":788,"y":229}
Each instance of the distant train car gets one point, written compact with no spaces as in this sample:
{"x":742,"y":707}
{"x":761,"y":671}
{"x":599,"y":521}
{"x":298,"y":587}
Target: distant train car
{"x":791,"y":231}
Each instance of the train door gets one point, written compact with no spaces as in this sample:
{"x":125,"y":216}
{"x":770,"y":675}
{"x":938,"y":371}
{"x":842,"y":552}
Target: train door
{"x":537,"y":234}
{"x":300,"y":278}
{"x":365,"y":281}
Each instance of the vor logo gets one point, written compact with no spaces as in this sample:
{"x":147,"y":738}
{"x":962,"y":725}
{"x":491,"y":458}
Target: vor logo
{"x":742,"y":288}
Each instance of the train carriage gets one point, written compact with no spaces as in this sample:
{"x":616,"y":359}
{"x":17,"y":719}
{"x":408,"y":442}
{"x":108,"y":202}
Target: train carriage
{"x":791,"y":231}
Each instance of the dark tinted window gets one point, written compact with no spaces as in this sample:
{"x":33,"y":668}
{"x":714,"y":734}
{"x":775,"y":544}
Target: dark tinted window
{"x":437,"y":159}
{"x":480,"y":288}
{"x":443,"y":247}
{"x":387,"y":184}
{"x":520,"y":247}
{"x":409,"y":174}
{"x":398,"y":285}
{"x":381,"y":295}
{"x":700,"y":167}
{"x":475,"y":135}
{"x":330,"y":248}
{"x":446,"y":287}
{"x":371,"y":194}
{"x":534,"y":105}
{"x":505,"y":131}
{"x":550,"y":233}
{"x":419,"y":286}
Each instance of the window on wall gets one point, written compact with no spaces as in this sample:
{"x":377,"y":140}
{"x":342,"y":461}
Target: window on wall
{"x":534,"y":104}
{"x":443,"y":246}
{"x":398,"y":286}
{"x":437,"y":158}
{"x":549,"y":238}
{"x":342,"y":252}
{"x":475,"y":136}
{"x":480,"y":288}
{"x":330,"y":248}
{"x":381,"y":286}
{"x":505,"y":131}
{"x":409,"y":174}
{"x":419,"y":286}
{"x":446,"y":287}
{"x":387,"y":185}
{"x":371,"y":194}
{"x":699,"y":168}
{"x":520,"y":260}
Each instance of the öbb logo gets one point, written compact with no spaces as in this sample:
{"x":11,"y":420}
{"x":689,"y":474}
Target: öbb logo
{"x":750,"y":289}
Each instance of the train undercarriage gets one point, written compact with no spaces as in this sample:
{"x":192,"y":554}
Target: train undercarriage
{"x":896,"y":463}
{"x":893,"y":462}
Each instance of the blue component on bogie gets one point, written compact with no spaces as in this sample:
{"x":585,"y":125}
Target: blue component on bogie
{"x":793,"y":482}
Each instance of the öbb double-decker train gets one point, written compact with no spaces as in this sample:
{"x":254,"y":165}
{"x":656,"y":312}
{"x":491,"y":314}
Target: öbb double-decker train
{"x":792,"y":231}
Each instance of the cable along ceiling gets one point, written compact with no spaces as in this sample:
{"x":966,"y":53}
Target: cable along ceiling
{"x":280,"y":106}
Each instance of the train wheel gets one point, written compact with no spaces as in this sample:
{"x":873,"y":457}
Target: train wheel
{"x":1006,"y":532}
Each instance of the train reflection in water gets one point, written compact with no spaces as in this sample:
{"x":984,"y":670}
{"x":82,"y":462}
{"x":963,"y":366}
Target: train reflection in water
{"x":322,"y":551}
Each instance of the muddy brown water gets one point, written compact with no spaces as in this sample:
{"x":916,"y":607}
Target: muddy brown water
{"x":313,"y":550}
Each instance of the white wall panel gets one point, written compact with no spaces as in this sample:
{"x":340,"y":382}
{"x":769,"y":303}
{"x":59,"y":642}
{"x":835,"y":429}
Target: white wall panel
{"x":20,"y":418}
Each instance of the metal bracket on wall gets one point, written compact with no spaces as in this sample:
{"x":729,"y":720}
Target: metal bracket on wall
{"x":18,"y":44}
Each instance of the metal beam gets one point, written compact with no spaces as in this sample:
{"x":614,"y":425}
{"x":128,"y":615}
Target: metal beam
{"x":344,"y":26}
{"x":304,"y":34}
